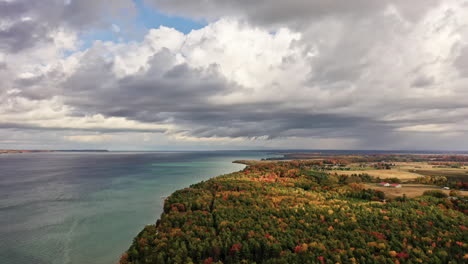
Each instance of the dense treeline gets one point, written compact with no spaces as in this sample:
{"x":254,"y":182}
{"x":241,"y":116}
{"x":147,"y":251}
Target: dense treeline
{"x":286,"y":212}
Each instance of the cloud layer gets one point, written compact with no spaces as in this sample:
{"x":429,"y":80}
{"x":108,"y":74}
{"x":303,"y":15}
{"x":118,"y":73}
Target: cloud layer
{"x":309,"y":74}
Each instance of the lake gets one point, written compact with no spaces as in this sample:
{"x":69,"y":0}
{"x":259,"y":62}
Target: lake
{"x":64,"y":207}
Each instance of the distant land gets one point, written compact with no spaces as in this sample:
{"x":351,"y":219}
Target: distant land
{"x":12,"y":151}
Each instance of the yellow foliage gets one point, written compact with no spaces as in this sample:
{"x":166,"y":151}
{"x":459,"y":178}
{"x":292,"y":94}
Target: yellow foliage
{"x":313,"y":244}
{"x":372,"y":244}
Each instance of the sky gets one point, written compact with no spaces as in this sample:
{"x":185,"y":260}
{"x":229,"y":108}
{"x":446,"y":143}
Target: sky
{"x":234,"y":74}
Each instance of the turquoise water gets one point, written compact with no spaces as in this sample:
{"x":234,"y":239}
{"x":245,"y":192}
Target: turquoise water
{"x":87,"y":207}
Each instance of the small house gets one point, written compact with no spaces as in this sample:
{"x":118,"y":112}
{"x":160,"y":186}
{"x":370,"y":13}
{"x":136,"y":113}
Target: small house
{"x":385,"y":184}
{"x":395,"y":185}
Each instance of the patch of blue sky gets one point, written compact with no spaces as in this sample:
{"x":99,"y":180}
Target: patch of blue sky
{"x":146,"y":18}
{"x":152,"y":18}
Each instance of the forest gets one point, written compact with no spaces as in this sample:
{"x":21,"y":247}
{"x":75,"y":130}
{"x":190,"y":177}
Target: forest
{"x":286,"y":212}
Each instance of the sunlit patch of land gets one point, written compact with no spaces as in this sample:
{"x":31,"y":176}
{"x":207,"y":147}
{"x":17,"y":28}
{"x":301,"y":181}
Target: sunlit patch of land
{"x":410,"y":190}
{"x":382,"y":174}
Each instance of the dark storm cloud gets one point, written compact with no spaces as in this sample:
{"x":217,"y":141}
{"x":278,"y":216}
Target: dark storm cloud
{"x":149,"y":96}
{"x":293,"y":12}
{"x":22,"y":35}
{"x":182,"y":95}
{"x":30,"y":22}
{"x":276,"y":123}
{"x":423,"y":81}
{"x":26,"y":127}
{"x":461,"y":62}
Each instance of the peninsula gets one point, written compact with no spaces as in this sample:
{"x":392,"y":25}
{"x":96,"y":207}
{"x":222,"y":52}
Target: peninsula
{"x":328,"y":209}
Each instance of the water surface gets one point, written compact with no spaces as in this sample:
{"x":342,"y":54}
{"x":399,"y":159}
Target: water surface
{"x":87,"y":207}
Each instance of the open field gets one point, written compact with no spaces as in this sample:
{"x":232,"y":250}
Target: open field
{"x":426,"y":169}
{"x":451,"y":174}
{"x":412,"y":165}
{"x":383,"y":174}
{"x":410,"y":190}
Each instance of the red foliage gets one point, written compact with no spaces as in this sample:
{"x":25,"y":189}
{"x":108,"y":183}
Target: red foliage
{"x":178,"y":207}
{"x":420,"y":212}
{"x":142,"y":242}
{"x":124,"y":258}
{"x":235,"y":248}
{"x":298,"y":249}
{"x":208,"y":260}
{"x":403,"y":255}
{"x":463,"y":227}
{"x":321,"y":259}
{"x":378,"y":235}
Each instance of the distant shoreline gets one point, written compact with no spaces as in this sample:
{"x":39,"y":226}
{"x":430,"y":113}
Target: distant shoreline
{"x":19,"y":151}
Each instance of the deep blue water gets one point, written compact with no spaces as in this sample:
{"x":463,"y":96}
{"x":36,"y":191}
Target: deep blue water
{"x":87,"y":207}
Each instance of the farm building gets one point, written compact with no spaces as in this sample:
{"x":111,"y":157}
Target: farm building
{"x":393,"y":185}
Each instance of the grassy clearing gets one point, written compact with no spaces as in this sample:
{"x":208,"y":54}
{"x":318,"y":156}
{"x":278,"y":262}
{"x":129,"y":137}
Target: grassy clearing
{"x":383,"y":174}
{"x":425,"y":169}
{"x":451,"y":174}
{"x":412,"y":165}
{"x":410,"y":190}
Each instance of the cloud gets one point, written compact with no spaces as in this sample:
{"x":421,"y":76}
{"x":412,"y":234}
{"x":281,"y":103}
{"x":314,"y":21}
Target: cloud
{"x":426,"y":128}
{"x":88,"y":138}
{"x":25,"y":24}
{"x":461,"y":62}
{"x":204,"y":85}
{"x":357,"y":74}
{"x":296,"y":13}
